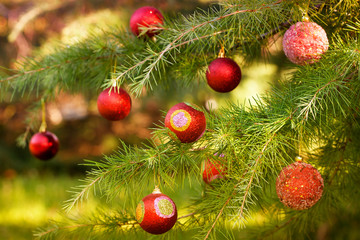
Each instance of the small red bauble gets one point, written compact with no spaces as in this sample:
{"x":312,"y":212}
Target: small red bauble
{"x":156,"y":213}
{"x":114,"y":105}
{"x":213,"y":169}
{"x":299,"y":186}
{"x":146,"y":17}
{"x":304,"y":42}
{"x":186,"y":122}
{"x":44,"y":145}
{"x":223,"y":74}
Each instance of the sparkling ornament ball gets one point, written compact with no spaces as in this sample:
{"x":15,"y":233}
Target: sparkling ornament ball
{"x":146,"y":17}
{"x":299,"y":186}
{"x":44,"y":145}
{"x":305,"y":42}
{"x":223,"y":74}
{"x":213,"y":169}
{"x":156,"y":213}
{"x":114,"y":105}
{"x":186,"y":122}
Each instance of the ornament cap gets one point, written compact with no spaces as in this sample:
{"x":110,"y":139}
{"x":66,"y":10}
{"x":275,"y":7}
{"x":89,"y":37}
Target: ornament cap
{"x":114,"y":82}
{"x":306,"y":18}
{"x":43,"y":127}
{"x":298,"y":159}
{"x":221,"y":52}
{"x":156,"y":190}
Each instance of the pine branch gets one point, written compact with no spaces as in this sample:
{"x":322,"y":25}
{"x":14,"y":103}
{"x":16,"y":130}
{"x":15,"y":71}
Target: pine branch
{"x":257,"y":162}
{"x":120,"y":222}
{"x":103,"y":174}
{"x":217,"y":217}
{"x":142,"y":71}
{"x":69,"y":68}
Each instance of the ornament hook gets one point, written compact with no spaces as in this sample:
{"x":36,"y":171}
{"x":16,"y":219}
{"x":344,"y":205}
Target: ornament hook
{"x":43,"y":125}
{"x":113,"y":79}
{"x":304,"y":12}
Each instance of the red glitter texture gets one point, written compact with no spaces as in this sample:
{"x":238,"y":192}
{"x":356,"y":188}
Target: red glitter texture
{"x":152,"y":223}
{"x":115,"y":106}
{"x":146,"y":17}
{"x":223,"y":75}
{"x":304,"y":42}
{"x":44,"y":145}
{"x":197,"y":125}
{"x":213,"y":169}
{"x":299,"y":186}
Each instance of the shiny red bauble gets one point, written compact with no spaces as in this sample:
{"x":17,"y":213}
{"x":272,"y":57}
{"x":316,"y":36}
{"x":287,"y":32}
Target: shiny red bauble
{"x":186,"y":122}
{"x":299,"y":186}
{"x":44,"y":145}
{"x":114,"y":105}
{"x":213,"y":169}
{"x":305,"y":42}
{"x":223,"y":74}
{"x":146,"y":17}
{"x":156,"y":213}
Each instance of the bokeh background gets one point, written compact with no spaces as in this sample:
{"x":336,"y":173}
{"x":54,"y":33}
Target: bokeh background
{"x":32,"y":192}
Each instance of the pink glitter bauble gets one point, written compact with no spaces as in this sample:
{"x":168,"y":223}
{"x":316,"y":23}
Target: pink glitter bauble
{"x":156,"y":213}
{"x":304,"y":42}
{"x":299,"y":186}
{"x":186,"y":122}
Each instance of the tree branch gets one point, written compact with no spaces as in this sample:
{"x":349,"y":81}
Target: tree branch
{"x":172,"y":45}
{"x":32,"y":14}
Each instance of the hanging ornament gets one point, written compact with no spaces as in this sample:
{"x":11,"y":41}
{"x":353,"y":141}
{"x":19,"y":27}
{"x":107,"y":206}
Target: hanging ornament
{"x":146,"y":17}
{"x":44,"y":145}
{"x":186,"y":122}
{"x":156,"y":213}
{"x":305,"y":42}
{"x":114,"y":105}
{"x":223,"y":74}
{"x":299,"y":185}
{"x":213,"y":169}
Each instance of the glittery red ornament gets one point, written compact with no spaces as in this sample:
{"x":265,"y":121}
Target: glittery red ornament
{"x":114,"y":106}
{"x":186,"y":122}
{"x":146,"y":17}
{"x":223,"y":74}
{"x":213,"y":169}
{"x":304,"y":42}
{"x":299,"y":186}
{"x":156,"y":213}
{"x":44,"y":145}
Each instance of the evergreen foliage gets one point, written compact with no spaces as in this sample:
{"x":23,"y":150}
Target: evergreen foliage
{"x":313,"y":111}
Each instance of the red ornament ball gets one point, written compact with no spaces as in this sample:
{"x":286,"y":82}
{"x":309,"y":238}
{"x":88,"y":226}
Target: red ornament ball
{"x":114,"y":105}
{"x":223,"y":74}
{"x":304,"y":42}
{"x":186,"y":122}
{"x":44,"y":145}
{"x":213,"y":169}
{"x":156,"y":213}
{"x":146,"y":17}
{"x":299,"y":186}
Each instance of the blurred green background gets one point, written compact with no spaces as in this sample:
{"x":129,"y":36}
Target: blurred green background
{"x":31,"y":191}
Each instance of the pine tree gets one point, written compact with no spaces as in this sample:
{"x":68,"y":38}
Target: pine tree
{"x":313,"y":111}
